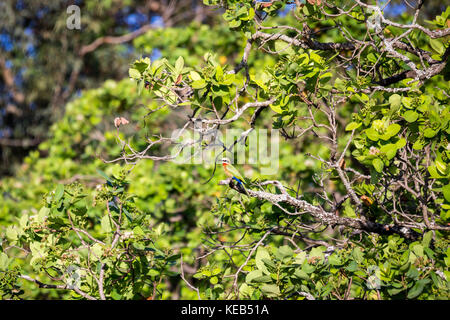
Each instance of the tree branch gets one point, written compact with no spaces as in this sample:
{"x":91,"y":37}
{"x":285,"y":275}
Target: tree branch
{"x":114,"y":40}
{"x":328,"y":218}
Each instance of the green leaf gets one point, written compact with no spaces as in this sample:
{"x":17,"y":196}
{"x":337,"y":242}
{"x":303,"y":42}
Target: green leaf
{"x":308,"y":268}
{"x":141,"y":86}
{"x":97,"y":251}
{"x":269,"y":263}
{"x":261,"y":254}
{"x":410,"y":116}
{"x":115,"y":295}
{"x":358,"y":255}
{"x":4,"y":261}
{"x":437,"y":46}
{"x":429,"y":133}
{"x":419,"y":144}
{"x":299,"y":273}
{"x":279,"y":103}
{"x":339,"y":84}
{"x":153,"y":273}
{"x":393,"y":129}
{"x":220,"y":90}
{"x":284,"y":252}
{"x":219,"y":73}
{"x":440,"y":166}
{"x":11,"y":233}
{"x":349,"y":212}
{"x":378,"y":165}
{"x":352,"y":266}
{"x":283,"y":48}
{"x":429,"y":253}
{"x":251,"y":14}
{"x":252,"y":275}
{"x":270,"y":290}
{"x":104,"y":175}
{"x":412,"y":273}
{"x":434,"y":173}
{"x":259,"y":82}
{"x":177,"y":256}
{"x":23,"y":221}
{"x":245,"y":15}
{"x":179,"y":64}
{"x":137,"y":231}
{"x":234,"y":23}
{"x":427,"y":239}
{"x":372,"y":134}
{"x":390,"y":150}
{"x":317,"y":252}
{"x":395,"y":101}
{"x":300,"y":257}
{"x":418,"y":250}
{"x":228,"y":79}
{"x":106,"y":224}
{"x":400,"y":143}
{"x":436,"y":280}
{"x":142,"y":65}
{"x":263,"y":278}
{"x":245,"y":290}
{"x":276,"y":108}
{"x":405,"y":257}
{"x":417,"y":289}
{"x":169,"y":66}
{"x":372,"y":58}
{"x":325,"y":77}
{"x":42,"y":214}
{"x":158,"y":66}
{"x":395,"y":291}
{"x":214,"y":280}
{"x":316,"y":57}
{"x":59,"y":192}
{"x":407,"y":102}
{"x":242,"y":12}
{"x":334,"y":259}
{"x":199,"y":84}
{"x":446,"y":192}
{"x":195,"y":76}
{"x":37,"y":248}
{"x":352,"y":126}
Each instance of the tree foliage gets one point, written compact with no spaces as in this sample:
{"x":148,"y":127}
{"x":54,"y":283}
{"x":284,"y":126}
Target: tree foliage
{"x":34,"y":82}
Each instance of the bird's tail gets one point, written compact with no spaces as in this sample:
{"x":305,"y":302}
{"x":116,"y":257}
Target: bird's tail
{"x":241,"y":185}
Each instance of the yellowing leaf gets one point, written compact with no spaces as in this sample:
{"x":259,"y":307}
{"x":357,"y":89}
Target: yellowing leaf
{"x":133,"y":73}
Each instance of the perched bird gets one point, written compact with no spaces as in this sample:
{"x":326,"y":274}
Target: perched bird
{"x":233,"y":173}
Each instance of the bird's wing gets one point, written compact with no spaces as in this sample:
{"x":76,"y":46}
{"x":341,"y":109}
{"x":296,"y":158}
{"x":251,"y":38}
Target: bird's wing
{"x":235,"y":172}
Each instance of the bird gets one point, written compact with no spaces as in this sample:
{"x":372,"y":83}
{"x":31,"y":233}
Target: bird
{"x":233,"y":173}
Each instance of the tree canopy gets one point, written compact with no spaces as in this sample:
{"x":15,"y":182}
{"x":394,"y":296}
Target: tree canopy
{"x":44,"y":63}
